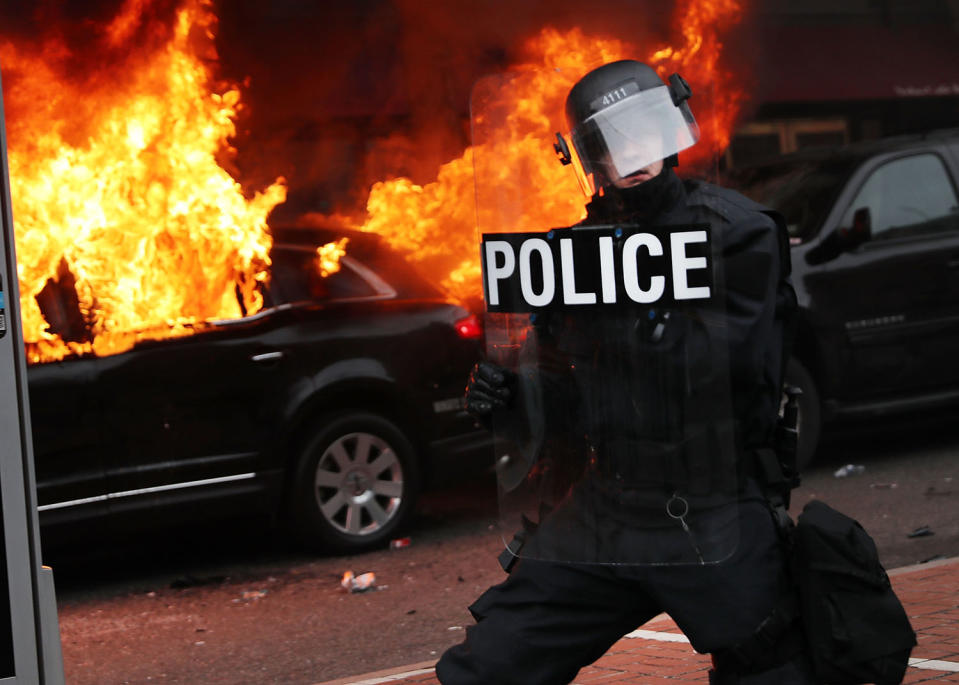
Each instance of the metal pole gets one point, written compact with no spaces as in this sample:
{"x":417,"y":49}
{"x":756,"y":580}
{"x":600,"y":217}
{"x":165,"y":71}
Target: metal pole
{"x":35,"y":635}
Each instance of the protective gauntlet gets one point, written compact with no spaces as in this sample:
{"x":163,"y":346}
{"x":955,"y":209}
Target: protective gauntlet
{"x":489,"y":387}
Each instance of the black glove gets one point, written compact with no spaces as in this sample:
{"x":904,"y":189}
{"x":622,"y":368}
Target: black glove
{"x":489,"y":387}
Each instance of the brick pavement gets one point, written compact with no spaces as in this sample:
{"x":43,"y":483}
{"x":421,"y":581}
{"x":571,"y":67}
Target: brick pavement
{"x":659,"y":652}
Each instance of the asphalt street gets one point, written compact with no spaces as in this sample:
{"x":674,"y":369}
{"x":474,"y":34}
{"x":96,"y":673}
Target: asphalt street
{"x":233,"y":603}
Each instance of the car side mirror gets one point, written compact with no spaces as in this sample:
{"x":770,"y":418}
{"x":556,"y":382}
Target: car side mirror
{"x":860,"y":231}
{"x":844,"y":238}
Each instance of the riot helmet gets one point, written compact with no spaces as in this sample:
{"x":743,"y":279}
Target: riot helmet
{"x":623,"y":118}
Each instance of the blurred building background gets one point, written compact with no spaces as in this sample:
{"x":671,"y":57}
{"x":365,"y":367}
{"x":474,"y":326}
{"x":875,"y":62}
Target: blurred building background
{"x":835,"y":72}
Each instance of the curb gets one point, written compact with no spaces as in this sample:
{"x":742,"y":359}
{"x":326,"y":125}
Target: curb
{"x":922,"y":566}
{"x":386,"y":675}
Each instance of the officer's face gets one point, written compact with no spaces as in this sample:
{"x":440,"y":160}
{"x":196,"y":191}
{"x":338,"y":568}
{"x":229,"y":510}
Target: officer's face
{"x":640,"y":176}
{"x":634,"y":155}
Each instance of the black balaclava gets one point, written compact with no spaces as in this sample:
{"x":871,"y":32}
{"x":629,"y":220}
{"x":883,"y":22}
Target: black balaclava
{"x":642,"y":203}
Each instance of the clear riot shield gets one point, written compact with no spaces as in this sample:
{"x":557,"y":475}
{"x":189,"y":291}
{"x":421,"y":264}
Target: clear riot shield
{"x":617,"y":445}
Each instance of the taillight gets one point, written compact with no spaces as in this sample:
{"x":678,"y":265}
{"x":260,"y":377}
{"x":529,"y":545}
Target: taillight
{"x":469,"y":328}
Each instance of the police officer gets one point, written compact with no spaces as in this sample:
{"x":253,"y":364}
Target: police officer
{"x":551,"y":616}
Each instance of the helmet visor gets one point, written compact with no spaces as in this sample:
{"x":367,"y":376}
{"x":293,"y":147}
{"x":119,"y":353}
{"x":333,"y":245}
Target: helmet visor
{"x":632,"y":133}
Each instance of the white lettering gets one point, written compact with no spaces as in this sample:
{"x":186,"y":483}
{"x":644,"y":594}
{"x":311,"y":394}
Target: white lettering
{"x":614,"y":96}
{"x":570,"y":296}
{"x":607,"y":269}
{"x":549,"y":278}
{"x":657,"y":284}
{"x":640,"y":278}
{"x":496,"y":273}
{"x":682,"y":264}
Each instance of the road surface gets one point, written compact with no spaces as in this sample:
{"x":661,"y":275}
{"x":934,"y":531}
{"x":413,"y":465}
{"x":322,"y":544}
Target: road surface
{"x":234,"y":604}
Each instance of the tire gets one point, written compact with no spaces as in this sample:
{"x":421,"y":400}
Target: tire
{"x":356,"y":483}
{"x":810,"y":413}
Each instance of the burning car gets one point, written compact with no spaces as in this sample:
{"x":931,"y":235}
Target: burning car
{"x":183,"y":351}
{"x":333,"y":405}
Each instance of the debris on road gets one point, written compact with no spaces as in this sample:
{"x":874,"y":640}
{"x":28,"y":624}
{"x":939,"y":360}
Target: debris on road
{"x":921,"y":532}
{"x":884,"y":486}
{"x":849,"y":470}
{"x":254,"y":594}
{"x":400,"y":543}
{"x":360,"y":583}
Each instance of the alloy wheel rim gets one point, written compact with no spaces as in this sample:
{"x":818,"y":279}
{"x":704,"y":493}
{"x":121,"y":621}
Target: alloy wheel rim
{"x":358,"y":484}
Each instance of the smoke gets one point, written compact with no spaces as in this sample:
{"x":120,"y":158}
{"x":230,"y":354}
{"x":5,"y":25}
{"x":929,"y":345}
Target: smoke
{"x":336,"y":96}
{"x":342,"y":97}
{"x":445,"y":48}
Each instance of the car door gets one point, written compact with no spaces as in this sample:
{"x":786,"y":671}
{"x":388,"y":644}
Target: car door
{"x":895,"y":297}
{"x":188,"y":417}
{"x":67,"y":442}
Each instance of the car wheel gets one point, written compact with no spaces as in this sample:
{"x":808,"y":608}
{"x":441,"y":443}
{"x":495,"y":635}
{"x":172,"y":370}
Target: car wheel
{"x":810,"y":412}
{"x":356,"y":482}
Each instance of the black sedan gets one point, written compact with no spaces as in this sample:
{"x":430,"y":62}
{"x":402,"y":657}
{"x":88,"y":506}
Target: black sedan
{"x":875,"y":232}
{"x":333,"y":406}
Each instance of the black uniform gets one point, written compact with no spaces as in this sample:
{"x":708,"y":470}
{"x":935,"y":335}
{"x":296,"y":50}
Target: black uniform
{"x":551,"y":618}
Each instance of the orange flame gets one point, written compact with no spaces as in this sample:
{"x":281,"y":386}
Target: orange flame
{"x":435,"y":223}
{"x":118,"y":198}
{"x":328,"y":256}
{"x":702,"y":24}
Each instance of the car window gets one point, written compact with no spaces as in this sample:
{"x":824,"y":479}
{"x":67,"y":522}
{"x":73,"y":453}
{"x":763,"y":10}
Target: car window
{"x":296,"y":278}
{"x":385,"y":269}
{"x":907,"y":196}
{"x":802,"y":191}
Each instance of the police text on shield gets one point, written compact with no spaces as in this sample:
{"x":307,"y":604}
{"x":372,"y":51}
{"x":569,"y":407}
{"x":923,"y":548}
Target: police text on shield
{"x":596,"y":266}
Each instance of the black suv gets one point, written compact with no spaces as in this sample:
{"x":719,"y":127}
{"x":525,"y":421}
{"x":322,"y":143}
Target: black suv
{"x":332,"y":406}
{"x":875,"y":234}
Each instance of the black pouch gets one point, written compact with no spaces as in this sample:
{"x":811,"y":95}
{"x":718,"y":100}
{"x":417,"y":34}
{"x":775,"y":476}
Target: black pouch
{"x":856,"y":627}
